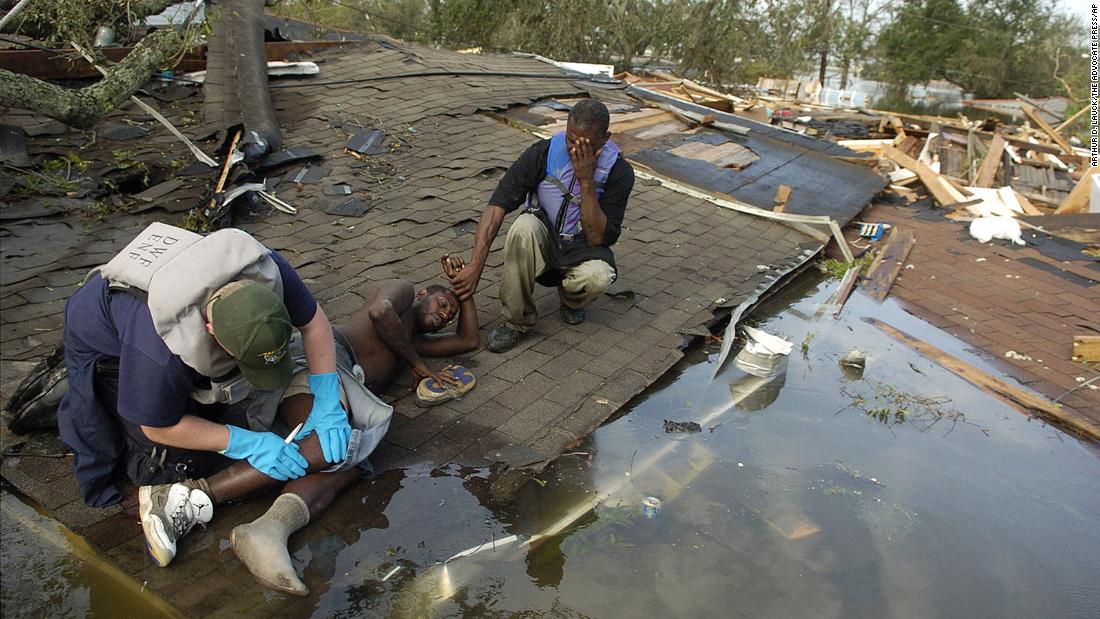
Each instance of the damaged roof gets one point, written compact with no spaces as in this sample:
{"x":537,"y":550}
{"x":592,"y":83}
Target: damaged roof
{"x":372,"y":207}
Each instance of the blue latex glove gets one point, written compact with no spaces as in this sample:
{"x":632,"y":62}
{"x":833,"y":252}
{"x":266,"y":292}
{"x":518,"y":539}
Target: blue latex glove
{"x":266,"y":452}
{"x":328,"y":417}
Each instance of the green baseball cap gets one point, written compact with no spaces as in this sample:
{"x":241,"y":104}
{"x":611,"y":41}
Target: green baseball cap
{"x":251,"y":322}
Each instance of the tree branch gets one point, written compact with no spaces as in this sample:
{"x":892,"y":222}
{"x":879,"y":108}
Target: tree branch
{"x":85,"y":107}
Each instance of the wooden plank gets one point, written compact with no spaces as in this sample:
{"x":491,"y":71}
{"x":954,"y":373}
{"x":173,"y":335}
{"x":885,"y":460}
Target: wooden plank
{"x":910,"y":145}
{"x":1047,"y":129}
{"x":1069,"y":121}
{"x":988,"y":170}
{"x":889,"y":262}
{"x":1086,"y":348}
{"x":870,"y":162}
{"x":1020,"y":143}
{"x":1037,"y":198}
{"x":899,"y":127}
{"x":782,"y":196}
{"x":1012,"y":395}
{"x":1026,"y":204}
{"x":958,"y":184}
{"x":67,"y":64}
{"x":847,"y":284}
{"x":1039,"y":107}
{"x":943,"y":192}
{"x":636,"y":123}
{"x":1078,"y":200}
{"x":727,"y":155}
{"x":732,"y":155}
{"x":874,"y":146}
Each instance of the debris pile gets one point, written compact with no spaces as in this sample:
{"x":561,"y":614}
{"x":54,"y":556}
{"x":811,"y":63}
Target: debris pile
{"x":963,"y":164}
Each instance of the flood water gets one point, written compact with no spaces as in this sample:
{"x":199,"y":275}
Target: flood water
{"x":791,"y":503}
{"x":50,"y":572}
{"x":901,"y":492}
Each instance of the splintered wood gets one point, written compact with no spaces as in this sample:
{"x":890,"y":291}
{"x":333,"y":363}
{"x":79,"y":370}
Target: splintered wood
{"x":1047,"y":129}
{"x":937,"y":185}
{"x":988,"y":172}
{"x":1078,"y":199}
{"x":1086,"y":348}
{"x":782,"y":196}
{"x":889,"y":262}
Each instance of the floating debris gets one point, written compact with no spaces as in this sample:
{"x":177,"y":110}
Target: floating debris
{"x":763,"y":354}
{"x":685,"y":427}
{"x":853,"y":363}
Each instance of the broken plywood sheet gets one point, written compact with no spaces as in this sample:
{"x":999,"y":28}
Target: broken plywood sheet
{"x":661,"y":129}
{"x":726,"y":155}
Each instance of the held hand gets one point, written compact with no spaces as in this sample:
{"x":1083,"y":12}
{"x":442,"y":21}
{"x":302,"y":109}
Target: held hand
{"x":452,"y":265}
{"x":464,"y":278}
{"x":583,"y":154}
{"x":328,"y":417}
{"x":267,"y":453}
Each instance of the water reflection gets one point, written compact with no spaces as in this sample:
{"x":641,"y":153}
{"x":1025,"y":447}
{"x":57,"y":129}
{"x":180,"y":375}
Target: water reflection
{"x":757,"y":388}
{"x":49,"y":571}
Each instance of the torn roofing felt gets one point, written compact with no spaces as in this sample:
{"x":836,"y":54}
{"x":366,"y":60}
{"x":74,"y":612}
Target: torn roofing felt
{"x":820,"y":184}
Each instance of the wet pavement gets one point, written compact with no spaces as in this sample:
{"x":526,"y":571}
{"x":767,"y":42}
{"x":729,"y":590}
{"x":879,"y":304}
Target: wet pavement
{"x":903,"y":491}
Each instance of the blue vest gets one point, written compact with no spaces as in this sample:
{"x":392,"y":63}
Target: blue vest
{"x":559,"y":183}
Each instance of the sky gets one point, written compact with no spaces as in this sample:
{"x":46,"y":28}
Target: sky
{"x":1078,"y":8}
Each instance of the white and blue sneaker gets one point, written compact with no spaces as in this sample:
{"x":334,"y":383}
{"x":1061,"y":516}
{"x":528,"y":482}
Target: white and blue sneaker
{"x":168,"y":512}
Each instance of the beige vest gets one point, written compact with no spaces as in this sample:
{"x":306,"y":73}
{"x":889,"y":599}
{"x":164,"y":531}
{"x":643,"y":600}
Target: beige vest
{"x":180,"y":270}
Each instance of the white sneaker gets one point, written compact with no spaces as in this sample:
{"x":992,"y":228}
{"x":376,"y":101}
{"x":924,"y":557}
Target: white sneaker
{"x":168,"y":512}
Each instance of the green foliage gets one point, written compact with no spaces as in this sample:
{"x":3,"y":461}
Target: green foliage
{"x":463,"y":22}
{"x":990,"y":48}
{"x":889,"y":406}
{"x":71,"y":161}
{"x":837,"y":268}
{"x":57,"y":22}
{"x":98,"y":211}
{"x":806,"y":344}
{"x":921,"y":42}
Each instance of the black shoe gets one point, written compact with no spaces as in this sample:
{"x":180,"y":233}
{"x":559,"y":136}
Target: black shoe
{"x":502,"y":339}
{"x":572,"y":316}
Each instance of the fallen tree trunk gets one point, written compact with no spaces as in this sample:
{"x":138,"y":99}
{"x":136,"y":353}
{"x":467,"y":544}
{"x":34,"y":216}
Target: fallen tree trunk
{"x":85,"y":107}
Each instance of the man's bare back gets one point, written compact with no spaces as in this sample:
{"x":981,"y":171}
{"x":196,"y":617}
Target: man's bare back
{"x":397,"y":327}
{"x":379,"y":363}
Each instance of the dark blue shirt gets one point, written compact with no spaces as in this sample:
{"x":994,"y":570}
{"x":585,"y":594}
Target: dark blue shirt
{"x":154,"y":385}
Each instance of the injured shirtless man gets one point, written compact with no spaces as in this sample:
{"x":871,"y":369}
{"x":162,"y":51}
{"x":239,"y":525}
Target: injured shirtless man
{"x":396,"y":328}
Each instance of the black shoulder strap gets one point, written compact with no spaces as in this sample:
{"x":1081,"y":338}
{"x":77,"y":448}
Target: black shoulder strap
{"x":130,"y":290}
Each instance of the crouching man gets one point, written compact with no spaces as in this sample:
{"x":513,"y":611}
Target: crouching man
{"x":157,"y":341}
{"x":575,"y":186}
{"x":396,"y":327}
